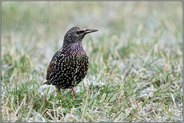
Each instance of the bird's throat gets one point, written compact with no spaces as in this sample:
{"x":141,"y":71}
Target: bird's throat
{"x":74,"y":49}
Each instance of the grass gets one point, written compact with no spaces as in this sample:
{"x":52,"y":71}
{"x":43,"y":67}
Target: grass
{"x":135,"y":71}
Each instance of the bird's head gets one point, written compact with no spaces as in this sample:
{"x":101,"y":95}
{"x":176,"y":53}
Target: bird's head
{"x":75,"y":34}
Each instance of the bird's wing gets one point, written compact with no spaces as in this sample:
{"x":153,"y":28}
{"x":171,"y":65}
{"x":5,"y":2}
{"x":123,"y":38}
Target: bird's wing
{"x":52,"y":64}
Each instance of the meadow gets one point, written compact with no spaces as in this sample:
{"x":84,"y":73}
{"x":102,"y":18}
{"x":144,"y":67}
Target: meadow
{"x":135,"y":70}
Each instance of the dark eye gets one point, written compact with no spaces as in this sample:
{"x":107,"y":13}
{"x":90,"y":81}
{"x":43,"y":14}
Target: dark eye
{"x":80,"y":31}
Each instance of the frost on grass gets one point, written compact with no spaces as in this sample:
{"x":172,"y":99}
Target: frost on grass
{"x":93,"y":81}
{"x":147,"y":92}
{"x":71,"y":118}
{"x":37,"y":117}
{"x":46,"y":90}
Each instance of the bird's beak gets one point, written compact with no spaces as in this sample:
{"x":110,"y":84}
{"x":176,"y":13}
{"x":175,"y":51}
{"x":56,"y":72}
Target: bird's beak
{"x":90,"y":31}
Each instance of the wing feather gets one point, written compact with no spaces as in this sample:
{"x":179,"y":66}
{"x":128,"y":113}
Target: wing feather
{"x":53,"y":63}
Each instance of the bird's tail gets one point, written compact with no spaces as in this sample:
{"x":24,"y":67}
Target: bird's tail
{"x":48,"y":82}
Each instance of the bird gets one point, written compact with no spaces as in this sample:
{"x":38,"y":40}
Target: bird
{"x":69,"y":65}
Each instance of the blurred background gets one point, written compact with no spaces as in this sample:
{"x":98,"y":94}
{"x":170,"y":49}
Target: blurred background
{"x":136,"y":41}
{"x":37,"y":28}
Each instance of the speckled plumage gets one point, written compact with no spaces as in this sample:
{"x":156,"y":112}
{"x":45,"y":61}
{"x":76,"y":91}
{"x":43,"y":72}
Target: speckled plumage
{"x":69,"y":65}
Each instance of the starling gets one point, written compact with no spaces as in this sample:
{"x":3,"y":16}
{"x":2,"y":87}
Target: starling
{"x":69,"y":64}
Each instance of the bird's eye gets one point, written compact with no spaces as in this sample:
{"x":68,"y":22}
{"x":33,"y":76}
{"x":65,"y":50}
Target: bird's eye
{"x":80,"y":31}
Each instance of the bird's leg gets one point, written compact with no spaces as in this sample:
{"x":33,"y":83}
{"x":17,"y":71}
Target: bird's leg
{"x":73,"y":93}
{"x":58,"y":90}
{"x":59,"y":93}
